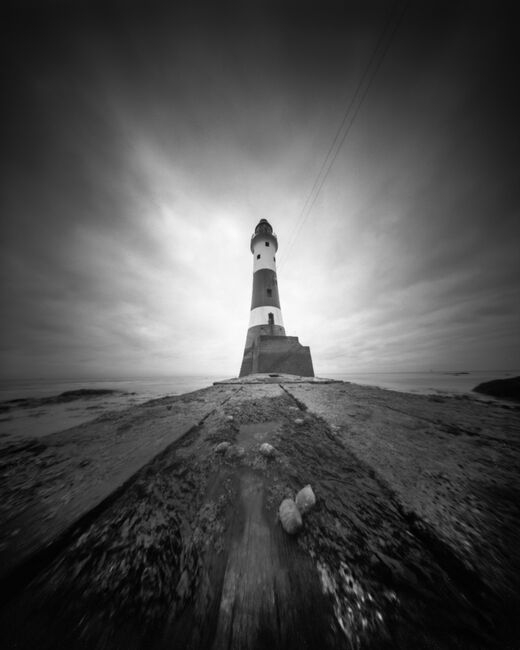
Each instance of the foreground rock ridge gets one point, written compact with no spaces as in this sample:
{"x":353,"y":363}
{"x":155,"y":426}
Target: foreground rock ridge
{"x":142,"y":530}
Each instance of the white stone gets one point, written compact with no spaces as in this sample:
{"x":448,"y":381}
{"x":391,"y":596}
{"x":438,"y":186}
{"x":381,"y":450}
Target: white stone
{"x":235,"y":451}
{"x":267,"y":450}
{"x":290,"y":516}
{"x":222,"y":447}
{"x":305,"y":499}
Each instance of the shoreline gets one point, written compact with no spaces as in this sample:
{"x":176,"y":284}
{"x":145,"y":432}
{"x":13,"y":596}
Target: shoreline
{"x":44,"y":419}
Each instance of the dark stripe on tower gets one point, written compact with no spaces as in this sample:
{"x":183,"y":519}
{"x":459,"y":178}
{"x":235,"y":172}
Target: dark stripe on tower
{"x":265,"y":289}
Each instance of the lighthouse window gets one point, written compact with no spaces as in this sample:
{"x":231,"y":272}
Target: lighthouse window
{"x":267,"y":243}
{"x":258,"y":257}
{"x":269,"y":292}
{"x":270,"y":319}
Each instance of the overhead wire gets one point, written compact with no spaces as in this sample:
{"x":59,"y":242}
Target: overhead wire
{"x":339,"y":138}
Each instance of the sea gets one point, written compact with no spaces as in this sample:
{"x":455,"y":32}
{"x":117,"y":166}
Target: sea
{"x":36,"y":419}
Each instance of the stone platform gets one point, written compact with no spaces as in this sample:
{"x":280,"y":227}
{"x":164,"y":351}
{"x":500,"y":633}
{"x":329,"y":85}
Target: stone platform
{"x":275,"y":378}
{"x":133,"y":531}
{"x":277,"y":354}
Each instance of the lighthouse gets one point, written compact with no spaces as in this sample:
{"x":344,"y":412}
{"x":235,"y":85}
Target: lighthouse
{"x":267,"y":348}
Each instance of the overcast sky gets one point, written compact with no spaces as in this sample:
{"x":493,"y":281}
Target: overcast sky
{"x":142,"y":145}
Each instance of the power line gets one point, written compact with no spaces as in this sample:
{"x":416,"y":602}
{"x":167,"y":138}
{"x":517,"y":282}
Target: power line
{"x":339,"y":130}
{"x":339,"y":139}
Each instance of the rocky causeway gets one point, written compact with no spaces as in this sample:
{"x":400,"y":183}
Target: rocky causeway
{"x":140,"y":530}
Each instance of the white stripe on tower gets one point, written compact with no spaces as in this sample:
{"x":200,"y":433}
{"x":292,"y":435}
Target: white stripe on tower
{"x":264,"y":258}
{"x":260,"y":316}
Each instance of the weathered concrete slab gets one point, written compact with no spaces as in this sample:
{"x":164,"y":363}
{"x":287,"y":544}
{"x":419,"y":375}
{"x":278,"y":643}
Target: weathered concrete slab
{"x":50,"y":483}
{"x":452,"y":462}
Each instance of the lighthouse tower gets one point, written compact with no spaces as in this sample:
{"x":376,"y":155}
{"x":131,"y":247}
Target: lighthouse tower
{"x":267,"y":347}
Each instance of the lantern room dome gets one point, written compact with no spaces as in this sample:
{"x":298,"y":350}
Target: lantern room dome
{"x":264,"y":230}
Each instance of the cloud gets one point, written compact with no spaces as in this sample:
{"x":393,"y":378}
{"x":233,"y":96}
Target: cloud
{"x":142,"y":149}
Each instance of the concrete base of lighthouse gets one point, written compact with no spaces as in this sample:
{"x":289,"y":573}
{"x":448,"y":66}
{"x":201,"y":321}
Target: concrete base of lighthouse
{"x":280,"y":354}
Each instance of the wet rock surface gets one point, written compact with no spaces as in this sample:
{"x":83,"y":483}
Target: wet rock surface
{"x":191,"y":553}
{"x":48,"y":483}
{"x":67,"y":396}
{"x":451,"y":469}
{"x":505,"y":388}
